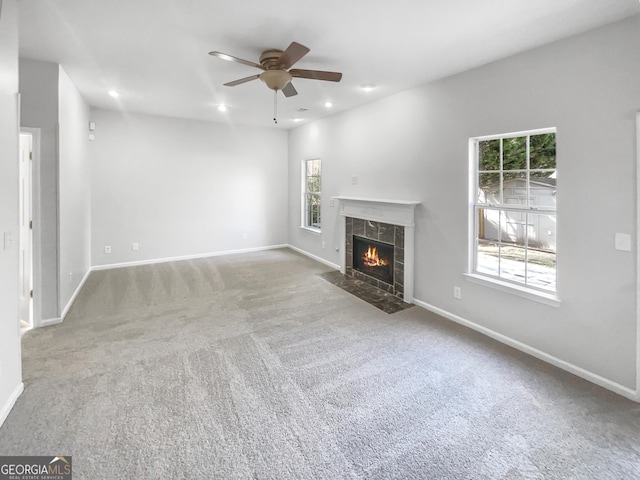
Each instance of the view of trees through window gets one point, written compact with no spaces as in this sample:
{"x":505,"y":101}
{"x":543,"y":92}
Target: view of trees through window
{"x":311,"y":195}
{"x":515,"y":209}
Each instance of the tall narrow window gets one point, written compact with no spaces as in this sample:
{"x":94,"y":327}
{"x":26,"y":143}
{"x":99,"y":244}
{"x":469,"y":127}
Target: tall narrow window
{"x":312,"y":173}
{"x":514,"y":208}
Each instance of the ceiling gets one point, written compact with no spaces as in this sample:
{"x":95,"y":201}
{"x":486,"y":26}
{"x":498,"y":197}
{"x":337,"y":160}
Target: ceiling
{"x":155,"y":52}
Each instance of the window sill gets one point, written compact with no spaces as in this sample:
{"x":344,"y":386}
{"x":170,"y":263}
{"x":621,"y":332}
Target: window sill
{"x":317,"y":231}
{"x":521,"y":291}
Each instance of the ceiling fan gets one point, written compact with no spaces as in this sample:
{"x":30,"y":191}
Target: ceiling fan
{"x":275,"y":65}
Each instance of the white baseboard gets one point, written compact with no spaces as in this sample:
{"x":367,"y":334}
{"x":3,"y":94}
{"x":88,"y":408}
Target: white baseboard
{"x":50,"y":321}
{"x":11,"y":401}
{"x":562,"y":364}
{"x":56,"y":320}
{"x":67,"y":307}
{"x":315,"y":257}
{"x":184,"y":257}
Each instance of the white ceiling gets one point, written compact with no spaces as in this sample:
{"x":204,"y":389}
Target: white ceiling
{"x":155,"y":52}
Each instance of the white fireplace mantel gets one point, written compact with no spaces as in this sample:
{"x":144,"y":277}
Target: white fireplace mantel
{"x":392,"y":212}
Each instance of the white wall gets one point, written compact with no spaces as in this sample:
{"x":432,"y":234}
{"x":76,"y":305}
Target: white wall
{"x":180,"y":187}
{"x":10,"y":362}
{"x":39,"y":83}
{"x":74,"y":187}
{"x":414,"y":146}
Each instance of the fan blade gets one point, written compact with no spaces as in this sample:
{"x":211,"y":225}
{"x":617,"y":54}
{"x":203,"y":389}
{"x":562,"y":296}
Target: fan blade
{"x":229,"y":58}
{"x":316,"y":75}
{"x":289,"y":90}
{"x":241,"y":80}
{"x":291,"y":55}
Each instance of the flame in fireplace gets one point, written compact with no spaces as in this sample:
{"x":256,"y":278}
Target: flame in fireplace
{"x":371,"y":258}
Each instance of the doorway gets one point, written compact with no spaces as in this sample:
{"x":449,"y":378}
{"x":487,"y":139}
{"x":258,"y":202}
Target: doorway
{"x":26,"y":159}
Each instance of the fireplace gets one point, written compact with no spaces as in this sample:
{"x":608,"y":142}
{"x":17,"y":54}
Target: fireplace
{"x":373,"y":258}
{"x":374,"y":253}
{"x":388,"y":227}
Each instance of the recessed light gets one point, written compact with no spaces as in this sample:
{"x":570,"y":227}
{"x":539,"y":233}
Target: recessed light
{"x":297,"y":119}
{"x":113,"y":93}
{"x":368,"y":87}
{"x":222,"y":107}
{"x":328,"y":104}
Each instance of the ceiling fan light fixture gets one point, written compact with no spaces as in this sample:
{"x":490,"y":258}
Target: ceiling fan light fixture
{"x":275,"y":79}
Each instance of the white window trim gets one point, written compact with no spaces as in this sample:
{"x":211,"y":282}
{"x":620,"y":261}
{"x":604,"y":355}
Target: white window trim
{"x":514,"y":288}
{"x":317,"y":231}
{"x":303,"y":183}
{"x":521,"y":290}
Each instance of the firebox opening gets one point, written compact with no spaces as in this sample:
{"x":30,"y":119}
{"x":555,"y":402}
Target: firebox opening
{"x":373,"y":258}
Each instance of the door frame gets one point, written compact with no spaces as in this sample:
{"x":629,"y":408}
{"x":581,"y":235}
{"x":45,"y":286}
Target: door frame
{"x":36,"y":254}
{"x":637,"y":252}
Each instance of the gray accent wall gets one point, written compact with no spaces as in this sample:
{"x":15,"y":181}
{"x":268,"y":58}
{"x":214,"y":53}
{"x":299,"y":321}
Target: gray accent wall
{"x":181,"y":187}
{"x":10,"y":361}
{"x":415,"y":146}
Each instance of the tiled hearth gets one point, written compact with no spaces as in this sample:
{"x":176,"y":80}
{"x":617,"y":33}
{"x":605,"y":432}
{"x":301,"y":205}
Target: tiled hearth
{"x":374,"y":296}
{"x":392,"y":235}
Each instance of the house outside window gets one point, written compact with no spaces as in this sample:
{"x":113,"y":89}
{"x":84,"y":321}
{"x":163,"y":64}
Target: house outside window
{"x":311,"y":183}
{"x":514,"y":209}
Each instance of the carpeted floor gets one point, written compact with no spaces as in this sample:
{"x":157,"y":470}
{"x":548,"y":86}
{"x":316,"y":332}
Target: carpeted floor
{"x":252,"y":366}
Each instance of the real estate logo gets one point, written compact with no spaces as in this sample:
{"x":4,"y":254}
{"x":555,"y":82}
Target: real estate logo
{"x":36,"y":468}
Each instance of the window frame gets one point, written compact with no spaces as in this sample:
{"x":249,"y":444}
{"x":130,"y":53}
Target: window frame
{"x":305,"y":222}
{"x":498,"y":281}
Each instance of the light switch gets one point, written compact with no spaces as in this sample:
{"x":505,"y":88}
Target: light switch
{"x":8,"y":240}
{"x":623,"y":242}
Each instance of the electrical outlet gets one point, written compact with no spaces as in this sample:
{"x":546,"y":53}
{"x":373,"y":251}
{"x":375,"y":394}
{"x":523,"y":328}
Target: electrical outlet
{"x":354,"y":180}
{"x":135,"y":247}
{"x":107,"y":249}
{"x":244,"y":236}
{"x":457,"y":293}
{"x":323,"y":244}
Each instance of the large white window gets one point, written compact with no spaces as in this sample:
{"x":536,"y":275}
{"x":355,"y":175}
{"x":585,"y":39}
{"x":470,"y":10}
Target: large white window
{"x":514,"y":209}
{"x":311,"y":182}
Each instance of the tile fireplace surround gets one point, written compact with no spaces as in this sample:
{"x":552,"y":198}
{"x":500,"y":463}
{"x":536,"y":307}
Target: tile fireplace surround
{"x":389,"y":221}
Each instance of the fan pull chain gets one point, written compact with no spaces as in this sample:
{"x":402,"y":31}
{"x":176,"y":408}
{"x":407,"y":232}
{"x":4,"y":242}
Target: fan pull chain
{"x":275,"y":106}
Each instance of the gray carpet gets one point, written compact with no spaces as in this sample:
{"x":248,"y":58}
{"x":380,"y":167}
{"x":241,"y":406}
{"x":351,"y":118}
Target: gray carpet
{"x":252,"y":366}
